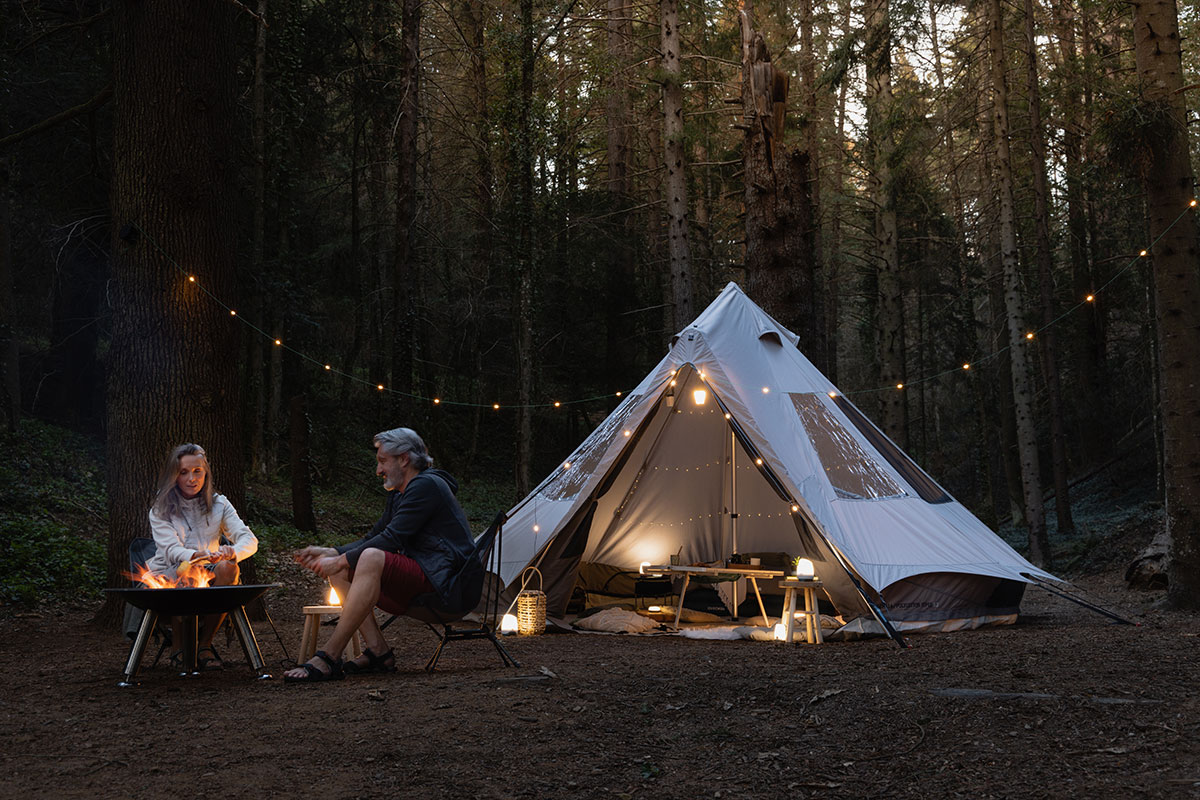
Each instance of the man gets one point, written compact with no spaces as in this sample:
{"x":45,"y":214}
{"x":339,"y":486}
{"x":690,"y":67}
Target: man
{"x":415,"y":547}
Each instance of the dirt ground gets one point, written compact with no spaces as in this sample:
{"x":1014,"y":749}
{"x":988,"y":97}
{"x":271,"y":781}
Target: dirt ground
{"x":1064,"y":704}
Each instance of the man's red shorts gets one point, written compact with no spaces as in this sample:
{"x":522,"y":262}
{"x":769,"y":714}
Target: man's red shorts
{"x":401,"y":581}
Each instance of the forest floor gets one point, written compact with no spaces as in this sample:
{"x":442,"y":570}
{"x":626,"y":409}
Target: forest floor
{"x":1063,"y":704}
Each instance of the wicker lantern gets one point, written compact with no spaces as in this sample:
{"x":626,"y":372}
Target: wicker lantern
{"x":531,"y":606}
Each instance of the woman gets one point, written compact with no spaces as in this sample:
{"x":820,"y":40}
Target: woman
{"x":187,"y":521}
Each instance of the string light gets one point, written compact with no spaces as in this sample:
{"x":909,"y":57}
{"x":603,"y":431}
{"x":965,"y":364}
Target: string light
{"x":379,"y":386}
{"x":437,"y":401}
{"x":1090,"y":298}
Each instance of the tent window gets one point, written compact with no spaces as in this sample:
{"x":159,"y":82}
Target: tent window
{"x":585,"y":462}
{"x":917,"y":478}
{"x":852,"y":471}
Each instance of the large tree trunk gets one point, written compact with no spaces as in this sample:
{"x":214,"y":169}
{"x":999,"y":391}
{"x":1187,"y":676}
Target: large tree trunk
{"x":172,"y":362}
{"x":674,"y":155}
{"x":1168,"y":181}
{"x":1014,"y":307}
{"x":258,"y":235}
{"x":1045,"y":265}
{"x":890,"y":312}
{"x":780,"y":241}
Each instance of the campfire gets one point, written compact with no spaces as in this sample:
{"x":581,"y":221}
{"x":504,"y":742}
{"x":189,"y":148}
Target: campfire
{"x":191,"y":575}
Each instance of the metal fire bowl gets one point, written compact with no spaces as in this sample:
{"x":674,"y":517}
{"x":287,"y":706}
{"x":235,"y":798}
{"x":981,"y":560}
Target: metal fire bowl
{"x":188,"y":601}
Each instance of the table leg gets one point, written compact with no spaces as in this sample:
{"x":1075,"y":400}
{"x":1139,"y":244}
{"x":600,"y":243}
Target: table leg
{"x":682,"y":593}
{"x":813,"y":615}
{"x":789,"y":621}
{"x":761,"y":608}
{"x":308,"y":640}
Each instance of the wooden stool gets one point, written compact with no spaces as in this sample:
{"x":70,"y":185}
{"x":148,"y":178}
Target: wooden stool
{"x":312,"y":626}
{"x":812,"y":618}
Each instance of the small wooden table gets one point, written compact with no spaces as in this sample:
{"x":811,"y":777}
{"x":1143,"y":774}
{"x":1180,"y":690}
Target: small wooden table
{"x":812,"y":617}
{"x":730,"y":573}
{"x":312,"y":626}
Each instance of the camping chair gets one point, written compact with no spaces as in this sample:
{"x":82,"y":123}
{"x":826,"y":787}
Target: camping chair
{"x":466,"y":589}
{"x":141,"y":550}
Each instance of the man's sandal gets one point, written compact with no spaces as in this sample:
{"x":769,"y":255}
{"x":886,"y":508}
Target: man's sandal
{"x":313,"y":674}
{"x":375,"y":663}
{"x":214,"y":662}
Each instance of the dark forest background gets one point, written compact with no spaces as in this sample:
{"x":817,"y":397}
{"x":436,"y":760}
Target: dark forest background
{"x":516,"y":204}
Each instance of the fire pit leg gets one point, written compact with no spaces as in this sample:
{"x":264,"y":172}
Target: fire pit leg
{"x":241,"y":624}
{"x":190,"y":625}
{"x":149,"y":618}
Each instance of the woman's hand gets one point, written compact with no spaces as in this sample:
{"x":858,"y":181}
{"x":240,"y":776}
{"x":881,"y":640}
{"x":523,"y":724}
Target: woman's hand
{"x":225,"y":553}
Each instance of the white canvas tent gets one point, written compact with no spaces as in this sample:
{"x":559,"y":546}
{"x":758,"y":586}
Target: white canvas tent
{"x":775,"y":459}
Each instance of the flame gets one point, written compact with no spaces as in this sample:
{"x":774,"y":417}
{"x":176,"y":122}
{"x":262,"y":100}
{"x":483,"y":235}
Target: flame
{"x":334,"y":600}
{"x":191,"y":575}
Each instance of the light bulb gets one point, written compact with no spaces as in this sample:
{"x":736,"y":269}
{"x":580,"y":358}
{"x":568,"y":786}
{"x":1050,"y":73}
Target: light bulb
{"x":699,"y":396}
{"x":508,"y":623}
{"x":804,"y":569}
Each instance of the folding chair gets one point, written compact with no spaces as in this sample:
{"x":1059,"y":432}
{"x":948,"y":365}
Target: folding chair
{"x":466,"y":589}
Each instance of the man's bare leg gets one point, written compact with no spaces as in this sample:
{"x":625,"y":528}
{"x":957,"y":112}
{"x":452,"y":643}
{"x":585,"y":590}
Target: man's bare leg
{"x":358,"y":606}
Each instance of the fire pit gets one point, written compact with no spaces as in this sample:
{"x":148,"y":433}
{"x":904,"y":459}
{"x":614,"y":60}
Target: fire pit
{"x":189,"y":604}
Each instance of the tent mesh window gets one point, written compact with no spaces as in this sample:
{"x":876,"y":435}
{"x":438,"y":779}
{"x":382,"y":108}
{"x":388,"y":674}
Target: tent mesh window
{"x":854,"y":474}
{"x":584,"y":462}
{"x":917,"y":478}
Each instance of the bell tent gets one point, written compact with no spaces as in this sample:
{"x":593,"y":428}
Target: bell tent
{"x":736,"y":443}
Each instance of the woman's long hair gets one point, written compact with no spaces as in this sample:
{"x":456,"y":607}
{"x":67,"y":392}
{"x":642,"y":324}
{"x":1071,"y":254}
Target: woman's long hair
{"x":167,"y":499}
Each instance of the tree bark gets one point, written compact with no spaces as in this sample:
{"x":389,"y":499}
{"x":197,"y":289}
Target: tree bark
{"x":620,"y":353}
{"x":172,"y":362}
{"x":1014,"y":307}
{"x":880,"y":104}
{"x":10,"y":353}
{"x":303,"y":517}
{"x":523,"y":318}
{"x":1169,"y":181}
{"x":1045,"y":266}
{"x":674,"y":156}
{"x":405,"y":275}
{"x":258,"y":236}
{"x":780,"y":234}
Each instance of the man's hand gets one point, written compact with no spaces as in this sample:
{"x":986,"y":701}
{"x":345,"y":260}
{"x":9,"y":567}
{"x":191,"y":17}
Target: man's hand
{"x":332,"y":566}
{"x":225,"y":553}
{"x":309,"y":556}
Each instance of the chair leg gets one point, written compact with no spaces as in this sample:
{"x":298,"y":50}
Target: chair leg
{"x":505,"y":656}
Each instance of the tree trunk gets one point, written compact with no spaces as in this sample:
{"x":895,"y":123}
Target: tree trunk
{"x":1022,"y":389}
{"x":405,"y":274}
{"x":10,"y":352}
{"x":1168,"y":180}
{"x":780,"y":242}
{"x":172,"y":364}
{"x":880,"y":105}
{"x":258,"y":235}
{"x":523,"y":318}
{"x":674,"y":156}
{"x":303,"y":517}
{"x":620,"y":353}
{"x":1045,"y":263}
